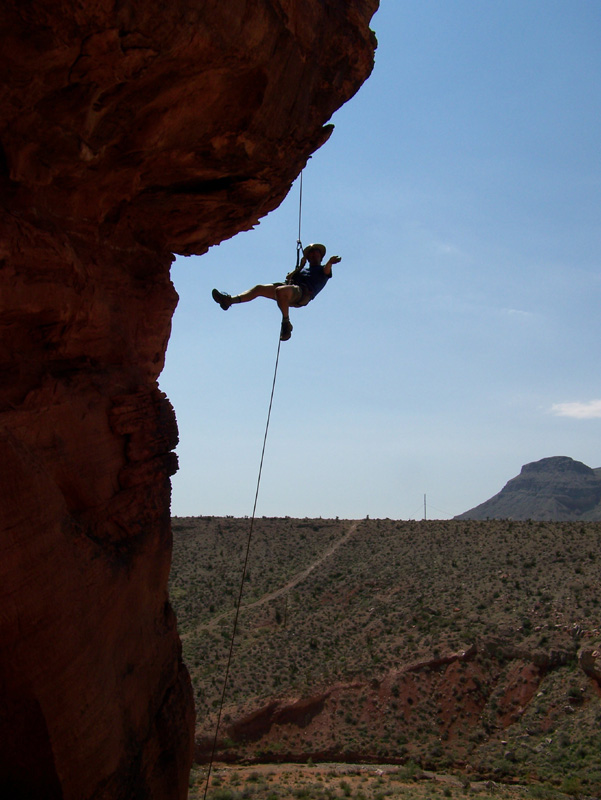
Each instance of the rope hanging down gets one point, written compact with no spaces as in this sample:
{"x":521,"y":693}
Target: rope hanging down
{"x":244,"y":569}
{"x":299,"y":249}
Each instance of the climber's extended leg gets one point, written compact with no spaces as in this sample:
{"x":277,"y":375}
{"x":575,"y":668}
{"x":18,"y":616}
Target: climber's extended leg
{"x":222,"y":298}
{"x":284,"y":294}
{"x":262,"y":290}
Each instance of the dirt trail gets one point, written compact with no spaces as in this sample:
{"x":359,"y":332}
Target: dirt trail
{"x":306,"y":572}
{"x":291,"y":583}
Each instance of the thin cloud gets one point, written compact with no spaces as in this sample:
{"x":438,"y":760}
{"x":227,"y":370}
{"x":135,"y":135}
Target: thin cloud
{"x":590,"y":410}
{"x":446,"y":249}
{"x":518,"y":313}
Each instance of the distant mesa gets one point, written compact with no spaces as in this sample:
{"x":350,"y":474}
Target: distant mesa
{"x":553,"y":489}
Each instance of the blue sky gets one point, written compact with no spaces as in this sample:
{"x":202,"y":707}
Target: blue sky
{"x":460,"y":337}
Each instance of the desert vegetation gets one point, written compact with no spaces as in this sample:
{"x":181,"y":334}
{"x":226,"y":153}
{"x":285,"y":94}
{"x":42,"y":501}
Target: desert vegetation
{"x":445,"y":644}
{"x":352,"y":782}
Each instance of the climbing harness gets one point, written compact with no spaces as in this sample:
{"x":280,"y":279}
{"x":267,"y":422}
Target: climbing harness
{"x":299,"y":249}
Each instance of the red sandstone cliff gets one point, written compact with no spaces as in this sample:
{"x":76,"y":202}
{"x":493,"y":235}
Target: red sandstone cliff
{"x":128,"y":131}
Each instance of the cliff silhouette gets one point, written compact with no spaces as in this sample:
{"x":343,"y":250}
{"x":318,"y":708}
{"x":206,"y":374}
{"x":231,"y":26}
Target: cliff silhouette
{"x":128,"y":132}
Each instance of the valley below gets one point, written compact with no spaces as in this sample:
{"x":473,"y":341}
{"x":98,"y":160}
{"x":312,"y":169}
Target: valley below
{"x":462,"y":648}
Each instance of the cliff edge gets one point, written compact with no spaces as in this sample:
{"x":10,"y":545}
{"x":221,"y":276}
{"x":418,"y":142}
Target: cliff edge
{"x":128,"y":132}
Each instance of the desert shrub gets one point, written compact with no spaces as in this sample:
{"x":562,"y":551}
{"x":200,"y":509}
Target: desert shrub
{"x":503,"y":767}
{"x":225,"y":794}
{"x":410,"y":771}
{"x":571,"y":785}
{"x":542,"y":793}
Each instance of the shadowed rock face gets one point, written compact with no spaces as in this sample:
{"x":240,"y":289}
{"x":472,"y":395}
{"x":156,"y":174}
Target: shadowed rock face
{"x":128,"y":132}
{"x":556,"y":488}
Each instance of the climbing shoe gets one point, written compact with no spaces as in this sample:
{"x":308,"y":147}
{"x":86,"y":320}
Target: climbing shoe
{"x":286,"y":330}
{"x":222,"y":298}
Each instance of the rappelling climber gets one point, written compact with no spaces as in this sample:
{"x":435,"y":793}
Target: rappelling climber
{"x":301,"y":286}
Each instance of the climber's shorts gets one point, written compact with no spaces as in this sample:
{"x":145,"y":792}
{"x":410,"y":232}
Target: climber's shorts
{"x":302,"y":296}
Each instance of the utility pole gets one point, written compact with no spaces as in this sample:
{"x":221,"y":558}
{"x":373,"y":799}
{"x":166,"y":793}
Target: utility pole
{"x":425,"y":515}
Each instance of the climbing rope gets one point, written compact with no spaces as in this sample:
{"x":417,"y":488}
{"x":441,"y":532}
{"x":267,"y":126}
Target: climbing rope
{"x":244,"y":569}
{"x":299,"y":246}
{"x":299,"y":249}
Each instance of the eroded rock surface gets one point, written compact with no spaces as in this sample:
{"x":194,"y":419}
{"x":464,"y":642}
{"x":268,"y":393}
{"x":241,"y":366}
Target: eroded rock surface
{"x":128,"y":132}
{"x":432,"y":709}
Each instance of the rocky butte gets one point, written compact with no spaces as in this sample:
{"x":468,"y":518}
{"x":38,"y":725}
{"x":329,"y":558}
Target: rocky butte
{"x":128,"y":132}
{"x":555,"y":488}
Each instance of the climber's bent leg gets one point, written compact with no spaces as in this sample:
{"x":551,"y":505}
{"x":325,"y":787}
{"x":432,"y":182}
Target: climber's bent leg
{"x":285,"y":296}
